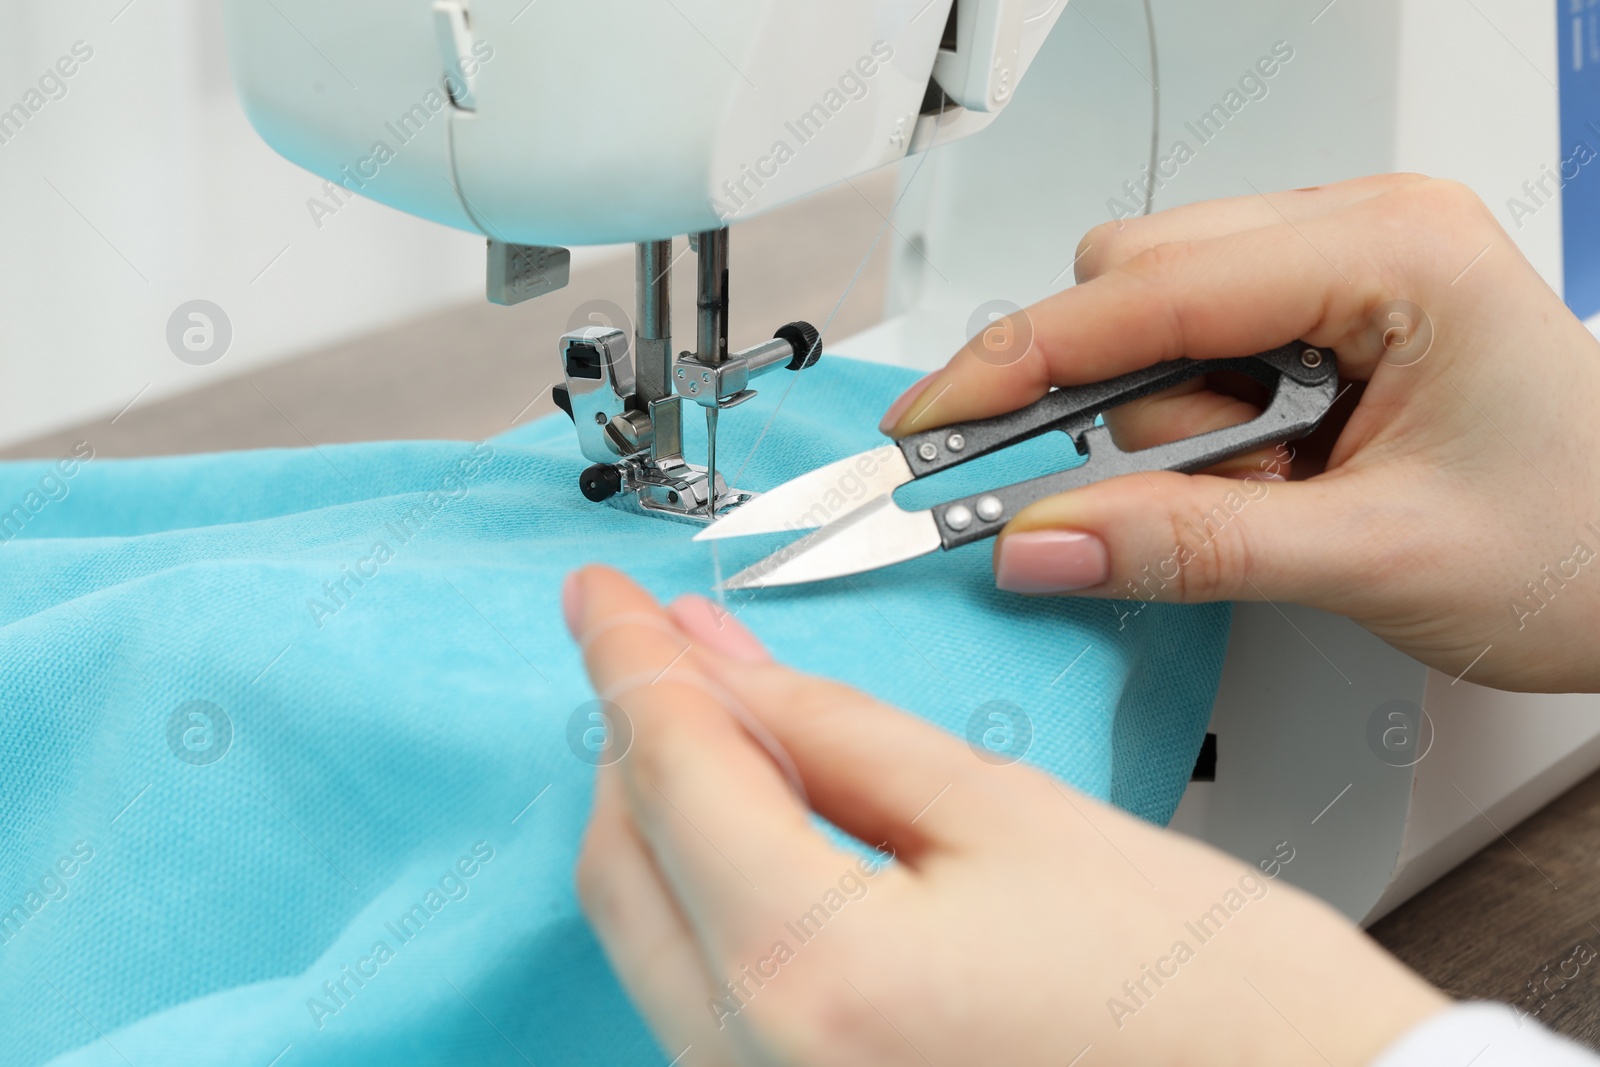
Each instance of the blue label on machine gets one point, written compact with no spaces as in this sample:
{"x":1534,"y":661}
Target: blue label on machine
{"x":1578,"y":35}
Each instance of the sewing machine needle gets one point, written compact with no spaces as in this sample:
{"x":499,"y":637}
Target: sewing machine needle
{"x":711,"y":463}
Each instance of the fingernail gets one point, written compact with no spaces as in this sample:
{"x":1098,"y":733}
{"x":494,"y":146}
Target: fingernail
{"x":571,"y":602}
{"x":907,"y":398}
{"x":716,"y":629}
{"x":1051,"y":561}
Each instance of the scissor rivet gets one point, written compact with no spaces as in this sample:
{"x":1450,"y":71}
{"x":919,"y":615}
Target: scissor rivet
{"x":956,"y":442}
{"x":990,"y":508}
{"x":928,"y":451}
{"x":1311,"y":358}
{"x":958,"y":518}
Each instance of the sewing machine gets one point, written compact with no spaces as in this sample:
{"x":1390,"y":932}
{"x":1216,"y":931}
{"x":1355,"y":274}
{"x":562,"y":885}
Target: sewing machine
{"x":545,"y":124}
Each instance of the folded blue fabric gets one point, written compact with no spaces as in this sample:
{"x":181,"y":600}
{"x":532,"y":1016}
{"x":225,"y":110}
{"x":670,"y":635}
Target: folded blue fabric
{"x":293,"y":761}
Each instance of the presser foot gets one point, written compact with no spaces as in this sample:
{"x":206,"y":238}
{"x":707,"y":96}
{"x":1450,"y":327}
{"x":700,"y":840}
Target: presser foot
{"x":673,"y":491}
{"x":628,"y":398}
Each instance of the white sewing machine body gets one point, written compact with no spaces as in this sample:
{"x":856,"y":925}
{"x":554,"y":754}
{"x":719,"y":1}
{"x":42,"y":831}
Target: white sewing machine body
{"x":669,"y":119}
{"x":684,"y":117}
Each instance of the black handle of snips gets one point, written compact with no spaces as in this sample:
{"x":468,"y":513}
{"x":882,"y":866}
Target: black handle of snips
{"x":1304,"y":379}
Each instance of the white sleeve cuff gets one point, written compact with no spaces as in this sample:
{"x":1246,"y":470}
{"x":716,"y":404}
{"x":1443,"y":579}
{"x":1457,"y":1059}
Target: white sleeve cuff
{"x":1483,"y":1035}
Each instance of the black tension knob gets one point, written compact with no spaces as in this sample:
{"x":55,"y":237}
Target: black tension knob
{"x":806,"y":342}
{"x":600,"y":482}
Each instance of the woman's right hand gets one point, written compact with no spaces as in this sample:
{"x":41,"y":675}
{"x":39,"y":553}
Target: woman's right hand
{"x":1451,"y":501}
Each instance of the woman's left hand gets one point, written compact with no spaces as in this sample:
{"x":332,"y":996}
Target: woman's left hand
{"x":1019,"y":922}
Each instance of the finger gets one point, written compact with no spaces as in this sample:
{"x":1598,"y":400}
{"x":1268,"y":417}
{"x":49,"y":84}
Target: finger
{"x":1215,"y":298}
{"x":1188,"y":410}
{"x":644,"y":935}
{"x":1111,"y":244}
{"x":875,"y":772}
{"x":722,"y":823}
{"x":714,"y":626}
{"x":1223,"y":297}
{"x":1164,"y":536}
{"x":885,"y":776}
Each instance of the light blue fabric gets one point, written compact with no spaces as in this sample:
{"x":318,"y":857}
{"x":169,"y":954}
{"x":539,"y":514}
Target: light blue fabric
{"x":399,"y":746}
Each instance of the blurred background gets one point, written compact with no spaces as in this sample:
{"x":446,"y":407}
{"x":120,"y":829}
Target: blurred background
{"x":137,"y":185}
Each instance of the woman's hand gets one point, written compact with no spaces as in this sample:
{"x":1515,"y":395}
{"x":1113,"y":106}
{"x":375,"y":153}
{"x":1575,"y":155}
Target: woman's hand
{"x":1019,"y":922}
{"x":1450,"y":503}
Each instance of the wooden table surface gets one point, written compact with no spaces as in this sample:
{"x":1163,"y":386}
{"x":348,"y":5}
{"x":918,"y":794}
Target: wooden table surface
{"x":1519,"y":922}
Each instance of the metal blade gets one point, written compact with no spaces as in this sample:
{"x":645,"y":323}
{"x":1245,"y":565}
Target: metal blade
{"x":876,"y":534}
{"x":817,"y":498}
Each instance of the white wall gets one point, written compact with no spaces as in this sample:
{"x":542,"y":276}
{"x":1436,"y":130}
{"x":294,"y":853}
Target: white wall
{"x":163,"y":194}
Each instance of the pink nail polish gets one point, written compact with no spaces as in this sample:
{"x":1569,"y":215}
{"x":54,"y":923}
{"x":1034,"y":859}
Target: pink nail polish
{"x":713,"y":627}
{"x":571,"y":603}
{"x":1051,"y":561}
{"x":907,"y":398}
